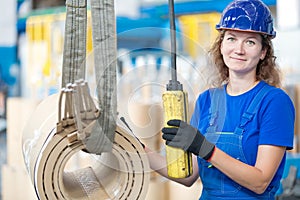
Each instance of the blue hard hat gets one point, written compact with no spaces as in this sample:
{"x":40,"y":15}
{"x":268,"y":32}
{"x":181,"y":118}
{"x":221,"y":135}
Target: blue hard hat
{"x":247,"y":15}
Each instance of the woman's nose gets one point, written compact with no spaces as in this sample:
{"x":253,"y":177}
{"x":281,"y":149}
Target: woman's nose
{"x":239,"y":48}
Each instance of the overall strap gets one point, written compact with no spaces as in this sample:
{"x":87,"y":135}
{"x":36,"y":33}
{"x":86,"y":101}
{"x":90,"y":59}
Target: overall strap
{"x":254,"y":105}
{"x":217,"y":108}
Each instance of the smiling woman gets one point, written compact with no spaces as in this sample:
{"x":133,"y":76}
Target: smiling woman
{"x":242,"y":52}
{"x":237,"y":132}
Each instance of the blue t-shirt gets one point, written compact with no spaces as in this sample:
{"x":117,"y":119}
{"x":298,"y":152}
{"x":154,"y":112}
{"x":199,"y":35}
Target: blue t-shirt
{"x":272,"y":125}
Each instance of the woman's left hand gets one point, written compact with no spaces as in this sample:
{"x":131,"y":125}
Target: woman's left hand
{"x":184,"y":136}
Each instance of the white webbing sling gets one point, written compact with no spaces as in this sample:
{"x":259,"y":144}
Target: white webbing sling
{"x":74,"y":55}
{"x":104,"y":47}
{"x":105,"y":54}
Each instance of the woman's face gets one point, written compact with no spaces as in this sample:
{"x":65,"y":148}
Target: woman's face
{"x":242,"y":51}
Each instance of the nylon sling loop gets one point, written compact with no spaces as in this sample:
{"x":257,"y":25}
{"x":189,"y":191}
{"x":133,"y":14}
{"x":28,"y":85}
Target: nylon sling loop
{"x":105,"y":53}
{"x":104,"y":46}
{"x":74,"y":55}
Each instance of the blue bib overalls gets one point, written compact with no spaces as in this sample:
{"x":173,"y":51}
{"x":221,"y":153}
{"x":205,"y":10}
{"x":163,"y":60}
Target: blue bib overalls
{"x":217,"y":185}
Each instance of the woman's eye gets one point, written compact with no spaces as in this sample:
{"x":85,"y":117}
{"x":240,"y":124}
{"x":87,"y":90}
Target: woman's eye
{"x":250,"y":42}
{"x":230,"y":39}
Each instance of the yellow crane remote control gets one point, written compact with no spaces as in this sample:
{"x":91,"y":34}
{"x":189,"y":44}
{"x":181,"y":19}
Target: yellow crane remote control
{"x":175,"y":104}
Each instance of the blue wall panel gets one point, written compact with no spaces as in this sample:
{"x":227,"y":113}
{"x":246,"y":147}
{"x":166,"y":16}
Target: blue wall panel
{"x":8,"y":75}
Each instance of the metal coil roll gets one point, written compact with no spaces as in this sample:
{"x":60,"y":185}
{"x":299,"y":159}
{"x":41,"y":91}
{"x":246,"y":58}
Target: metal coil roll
{"x":60,"y":169}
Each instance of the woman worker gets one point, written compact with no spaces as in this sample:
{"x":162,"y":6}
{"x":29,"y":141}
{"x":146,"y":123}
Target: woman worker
{"x":239,"y":131}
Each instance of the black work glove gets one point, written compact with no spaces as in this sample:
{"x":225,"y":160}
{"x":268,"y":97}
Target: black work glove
{"x":186,"y":137}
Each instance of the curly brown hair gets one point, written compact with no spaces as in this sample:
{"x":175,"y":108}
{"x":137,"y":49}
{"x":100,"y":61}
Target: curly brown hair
{"x":267,"y":69}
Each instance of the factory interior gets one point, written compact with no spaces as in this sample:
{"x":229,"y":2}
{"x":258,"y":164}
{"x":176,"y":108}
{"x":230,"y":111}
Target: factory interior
{"x":32,"y":51}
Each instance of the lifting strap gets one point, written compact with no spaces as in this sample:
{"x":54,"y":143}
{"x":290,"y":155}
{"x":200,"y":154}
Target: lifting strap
{"x":74,"y":54}
{"x":74,"y":64}
{"x":105,"y":54}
